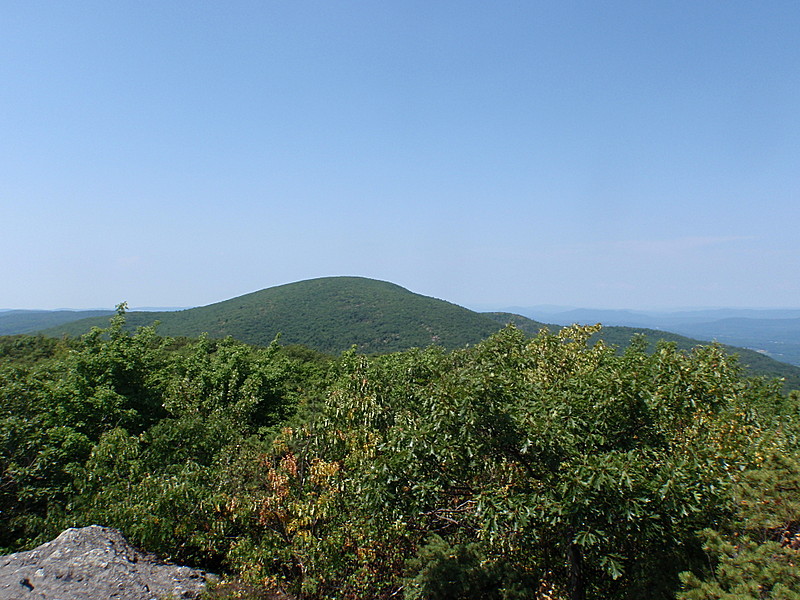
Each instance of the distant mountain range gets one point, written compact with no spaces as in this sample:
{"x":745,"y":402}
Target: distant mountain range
{"x":14,"y":322}
{"x":332,"y":314}
{"x":775,"y":332}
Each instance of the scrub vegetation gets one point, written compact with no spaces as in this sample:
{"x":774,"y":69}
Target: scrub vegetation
{"x":546,"y":466}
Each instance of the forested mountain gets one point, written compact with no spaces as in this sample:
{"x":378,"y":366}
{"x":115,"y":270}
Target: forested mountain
{"x":332,"y":314}
{"x":329,"y":314}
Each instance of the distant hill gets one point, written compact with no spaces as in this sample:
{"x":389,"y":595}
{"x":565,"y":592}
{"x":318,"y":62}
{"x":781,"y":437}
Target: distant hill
{"x":332,"y":314}
{"x":13,"y":322}
{"x":329,"y":314}
{"x":779,"y":338}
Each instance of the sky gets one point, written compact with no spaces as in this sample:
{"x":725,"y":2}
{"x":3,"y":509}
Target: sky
{"x":616,"y":154}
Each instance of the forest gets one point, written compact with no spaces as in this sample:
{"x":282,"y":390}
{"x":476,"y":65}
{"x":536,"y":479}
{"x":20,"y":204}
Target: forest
{"x":542,"y":466}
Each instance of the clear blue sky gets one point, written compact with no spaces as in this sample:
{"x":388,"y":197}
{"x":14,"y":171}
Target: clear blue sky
{"x":606,"y":154}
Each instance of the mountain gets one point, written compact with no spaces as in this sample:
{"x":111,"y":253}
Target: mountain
{"x":330,"y":314}
{"x":14,"y":322}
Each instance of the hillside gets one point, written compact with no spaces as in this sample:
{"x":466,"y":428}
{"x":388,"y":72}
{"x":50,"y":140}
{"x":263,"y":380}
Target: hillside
{"x":329,"y":314}
{"x":13,"y":322}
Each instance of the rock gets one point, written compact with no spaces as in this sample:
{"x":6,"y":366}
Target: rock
{"x":94,"y":563}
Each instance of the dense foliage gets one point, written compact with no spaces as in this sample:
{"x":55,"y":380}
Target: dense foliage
{"x":128,"y":429}
{"x":518,"y":467}
{"x":754,"y":363}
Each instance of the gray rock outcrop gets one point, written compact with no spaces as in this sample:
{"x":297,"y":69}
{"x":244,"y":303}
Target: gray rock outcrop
{"x":94,"y":563}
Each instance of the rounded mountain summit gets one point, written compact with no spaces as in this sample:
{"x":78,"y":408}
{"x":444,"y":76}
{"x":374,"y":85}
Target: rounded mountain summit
{"x":330,"y":314}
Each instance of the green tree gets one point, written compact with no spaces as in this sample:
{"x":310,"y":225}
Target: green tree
{"x":133,"y":430}
{"x":557,"y":462}
{"x":164,"y":487}
{"x":57,"y":408}
{"x":756,"y":555}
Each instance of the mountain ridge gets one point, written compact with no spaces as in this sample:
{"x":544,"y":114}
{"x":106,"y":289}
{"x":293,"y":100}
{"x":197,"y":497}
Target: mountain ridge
{"x":332,"y":314}
{"x":329,"y":314}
